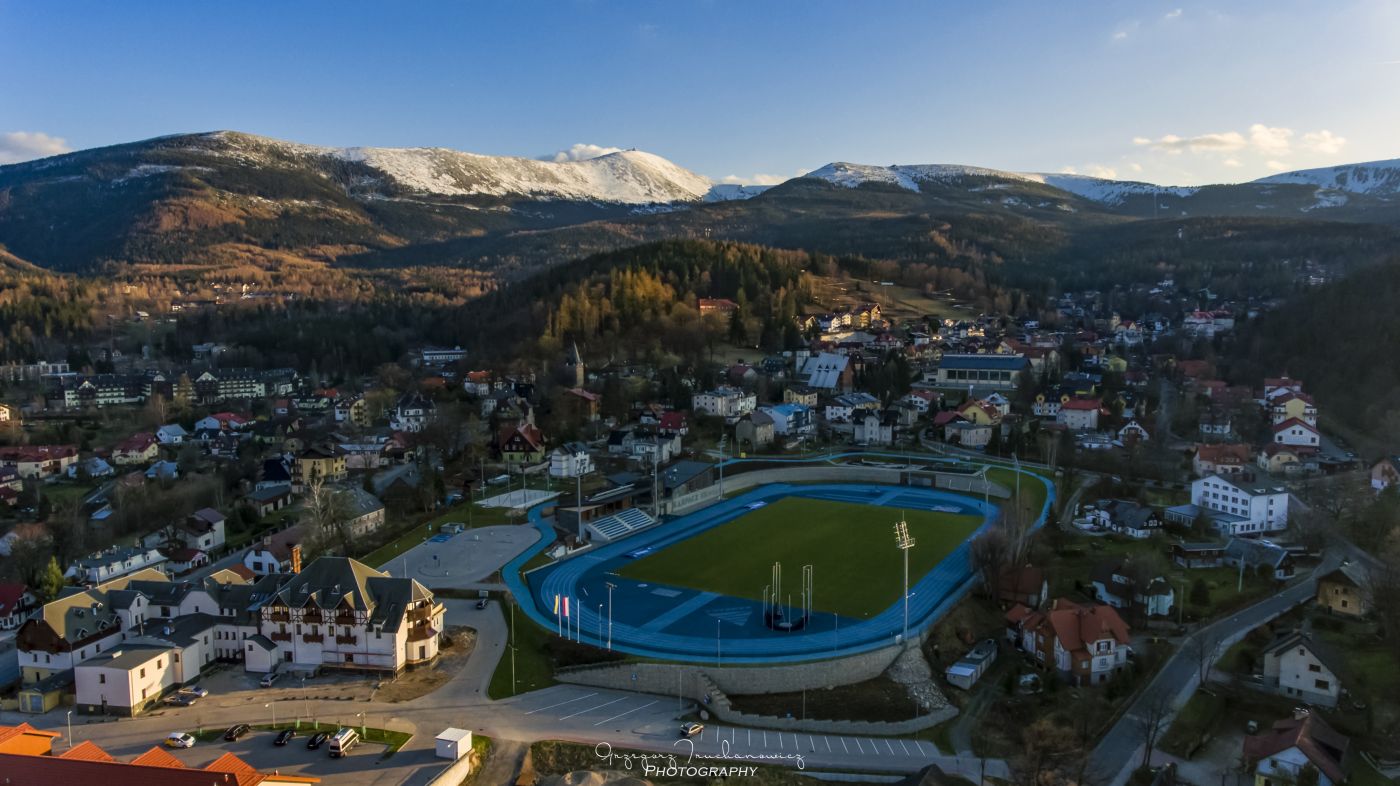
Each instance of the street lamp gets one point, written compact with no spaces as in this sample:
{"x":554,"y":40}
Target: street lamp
{"x":70,"y":728}
{"x":611,"y":586}
{"x":269,"y":705}
{"x":718,"y":659}
{"x":904,"y":543}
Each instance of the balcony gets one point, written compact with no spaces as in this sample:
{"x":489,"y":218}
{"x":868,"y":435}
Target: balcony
{"x":425,"y":613}
{"x":280,"y":637}
{"x":279,"y":616}
{"x":346,"y":640}
{"x":421,"y":632}
{"x":313,"y":638}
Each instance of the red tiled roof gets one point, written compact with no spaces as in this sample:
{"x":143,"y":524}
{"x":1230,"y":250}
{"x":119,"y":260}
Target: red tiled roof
{"x":1287,"y":424}
{"x":1223,"y":454}
{"x":1084,"y":404}
{"x":240,"y":769}
{"x":11,"y":594}
{"x":1076,"y":625}
{"x":1324,"y":746}
{"x":37,"y":452}
{"x":158,"y":757}
{"x":86,"y":750}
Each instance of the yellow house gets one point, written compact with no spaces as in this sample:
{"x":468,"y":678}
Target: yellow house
{"x":1278,"y":459}
{"x":980,"y":413}
{"x":318,"y":463}
{"x":800,"y":394}
{"x":1293,"y":405}
{"x":1343,"y":592}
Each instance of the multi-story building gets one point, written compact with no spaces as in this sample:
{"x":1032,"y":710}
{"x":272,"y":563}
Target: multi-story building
{"x":318,"y":463}
{"x":1085,"y":643}
{"x":412,"y":413}
{"x":570,"y":460}
{"x":725,"y":402}
{"x":996,"y":371}
{"x":215,"y":385}
{"x":1234,"y":507}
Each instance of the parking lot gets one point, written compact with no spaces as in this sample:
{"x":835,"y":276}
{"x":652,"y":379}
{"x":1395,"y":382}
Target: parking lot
{"x":464,"y":558}
{"x":293,"y":758}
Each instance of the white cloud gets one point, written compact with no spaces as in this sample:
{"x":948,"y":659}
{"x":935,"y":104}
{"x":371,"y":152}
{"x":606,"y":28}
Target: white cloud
{"x":1232,"y":163}
{"x":1270,"y":141}
{"x":1068,"y":170}
{"x":1277,"y":166}
{"x":1105,"y":172}
{"x":753,"y":180}
{"x":17,"y":146}
{"x":1125,"y":30}
{"x":580,"y":152}
{"x":1175,"y":13}
{"x":1135,"y":166}
{"x":1323,"y":141}
{"x":1228,"y":141}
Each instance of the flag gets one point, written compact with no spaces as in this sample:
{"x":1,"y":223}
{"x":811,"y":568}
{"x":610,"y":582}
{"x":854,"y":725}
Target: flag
{"x":566,"y":607}
{"x":556,"y":605}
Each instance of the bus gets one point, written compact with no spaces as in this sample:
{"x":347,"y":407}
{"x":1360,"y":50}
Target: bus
{"x":343,"y":741}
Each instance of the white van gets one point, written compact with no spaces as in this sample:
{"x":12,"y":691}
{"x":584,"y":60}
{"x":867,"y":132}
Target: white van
{"x":343,"y":741}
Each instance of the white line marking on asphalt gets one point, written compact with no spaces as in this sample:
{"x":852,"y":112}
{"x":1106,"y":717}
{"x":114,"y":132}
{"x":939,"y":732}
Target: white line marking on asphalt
{"x":828,"y":744}
{"x":750,"y":738}
{"x":780,"y":740}
{"x":843,"y":744}
{"x":629,"y":712}
{"x":562,"y":703}
{"x":595,"y":707}
{"x":920,"y":746}
{"x":811,"y":742}
{"x":905,"y":747}
{"x":765,"y":739}
{"x":891,"y":747}
{"x":859,"y":747}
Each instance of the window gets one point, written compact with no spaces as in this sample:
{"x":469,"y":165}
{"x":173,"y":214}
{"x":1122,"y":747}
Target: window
{"x":143,"y":673}
{"x":1313,"y":667}
{"x":102,"y":679}
{"x":1322,"y":684}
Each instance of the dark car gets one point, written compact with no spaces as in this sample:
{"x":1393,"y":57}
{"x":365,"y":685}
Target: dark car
{"x":481,"y":604}
{"x":179,"y":700}
{"x":315,"y":741}
{"x":236,"y":731}
{"x":284,"y":738}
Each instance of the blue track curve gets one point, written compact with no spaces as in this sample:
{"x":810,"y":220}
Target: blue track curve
{"x":678,"y":624}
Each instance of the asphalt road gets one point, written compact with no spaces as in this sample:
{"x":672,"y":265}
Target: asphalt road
{"x":1120,"y":750}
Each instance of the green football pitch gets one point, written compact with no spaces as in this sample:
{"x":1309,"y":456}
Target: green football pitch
{"x":857,"y":570}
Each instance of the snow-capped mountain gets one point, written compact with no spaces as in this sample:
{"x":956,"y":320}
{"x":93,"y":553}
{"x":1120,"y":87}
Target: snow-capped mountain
{"x":630,"y":177}
{"x":1378,"y":178}
{"x":910,"y":176}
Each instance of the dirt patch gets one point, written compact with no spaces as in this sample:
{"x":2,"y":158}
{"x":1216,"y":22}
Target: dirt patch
{"x":421,"y":681}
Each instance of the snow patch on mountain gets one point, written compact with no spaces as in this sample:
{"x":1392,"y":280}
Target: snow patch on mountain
{"x":629,"y":177}
{"x":1379,"y":178}
{"x":1102,"y":190}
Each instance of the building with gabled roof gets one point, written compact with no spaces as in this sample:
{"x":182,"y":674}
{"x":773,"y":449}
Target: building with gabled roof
{"x":1280,"y":754}
{"x":1086,"y":643}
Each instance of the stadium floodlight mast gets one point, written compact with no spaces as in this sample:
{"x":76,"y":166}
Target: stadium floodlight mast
{"x":611,"y":586}
{"x":904,"y":543}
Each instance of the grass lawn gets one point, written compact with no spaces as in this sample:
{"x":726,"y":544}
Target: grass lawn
{"x":847,"y":544}
{"x":1195,"y":724}
{"x":880,"y":699}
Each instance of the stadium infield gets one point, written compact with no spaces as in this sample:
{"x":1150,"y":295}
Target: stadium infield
{"x":858,"y":571}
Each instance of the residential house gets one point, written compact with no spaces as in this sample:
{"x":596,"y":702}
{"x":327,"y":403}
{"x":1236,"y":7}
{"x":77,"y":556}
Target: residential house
{"x":1292,"y":406}
{"x":874,"y":428}
{"x":38,"y":461}
{"x":827,"y":371}
{"x":1079,"y":414}
{"x":1129,"y":518}
{"x":844,"y":407}
{"x":717,"y":305}
{"x":1257,"y":555}
{"x":1086,"y":644}
{"x":203,"y":530}
{"x":725,"y":402}
{"x":223,"y":421}
{"x":922,"y":400}
{"x":1234,"y":507}
{"x":1385,"y":473}
{"x":1291,"y":747}
{"x":756,"y":429}
{"x":1220,"y":459}
{"x":172,"y":434}
{"x":673,"y":423}
{"x":1115,"y":584}
{"x":89,"y":468}
{"x":1216,"y":424}
{"x":412,"y":413}
{"x":791,"y":419}
{"x":11,"y":484}
{"x":521,"y":444}
{"x":318,"y":463}
{"x":1133,"y":432}
{"x":1345,"y":590}
{"x":441,"y":356}
{"x":353,"y":410}
{"x":136,"y":449}
{"x":268,"y":500}
{"x":1297,"y":433}
{"x":364,"y":512}
{"x":800,"y":394}
{"x":1198,"y":555}
{"x":570,"y":460}
{"x":1305,"y":668}
{"x":980,"y":411}
{"x":1279,"y":459}
{"x":9,"y":416}
{"x":967,"y":434}
{"x":279,"y":552}
{"x":113,"y":563}
{"x":1025,"y":585}
{"x":16,"y":601}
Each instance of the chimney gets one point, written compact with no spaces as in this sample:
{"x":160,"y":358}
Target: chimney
{"x":296,"y":558}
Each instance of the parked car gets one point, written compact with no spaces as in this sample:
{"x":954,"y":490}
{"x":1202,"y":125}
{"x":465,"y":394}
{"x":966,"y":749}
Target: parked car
{"x":343,"y":741}
{"x":315,"y":741}
{"x":284,"y":738}
{"x":236,"y":731}
{"x":180,"y":739}
{"x":483,"y":603}
{"x":269,"y":679}
{"x":691,"y":729}
{"x":179,"y":700}
{"x":195,"y":691}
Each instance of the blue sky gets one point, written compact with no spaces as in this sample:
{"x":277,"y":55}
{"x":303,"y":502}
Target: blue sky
{"x":1171,"y":92}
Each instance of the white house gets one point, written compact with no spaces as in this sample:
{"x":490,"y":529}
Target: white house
{"x":1303,"y":668}
{"x":412,"y":413}
{"x":570,"y":460}
{"x":1079,"y":414}
{"x":725,"y":402}
{"x":114,"y":563}
{"x":1296,"y":433}
{"x":873,"y":428}
{"x":172,"y":434}
{"x":1235,"y":508}
{"x":1113,"y":586}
